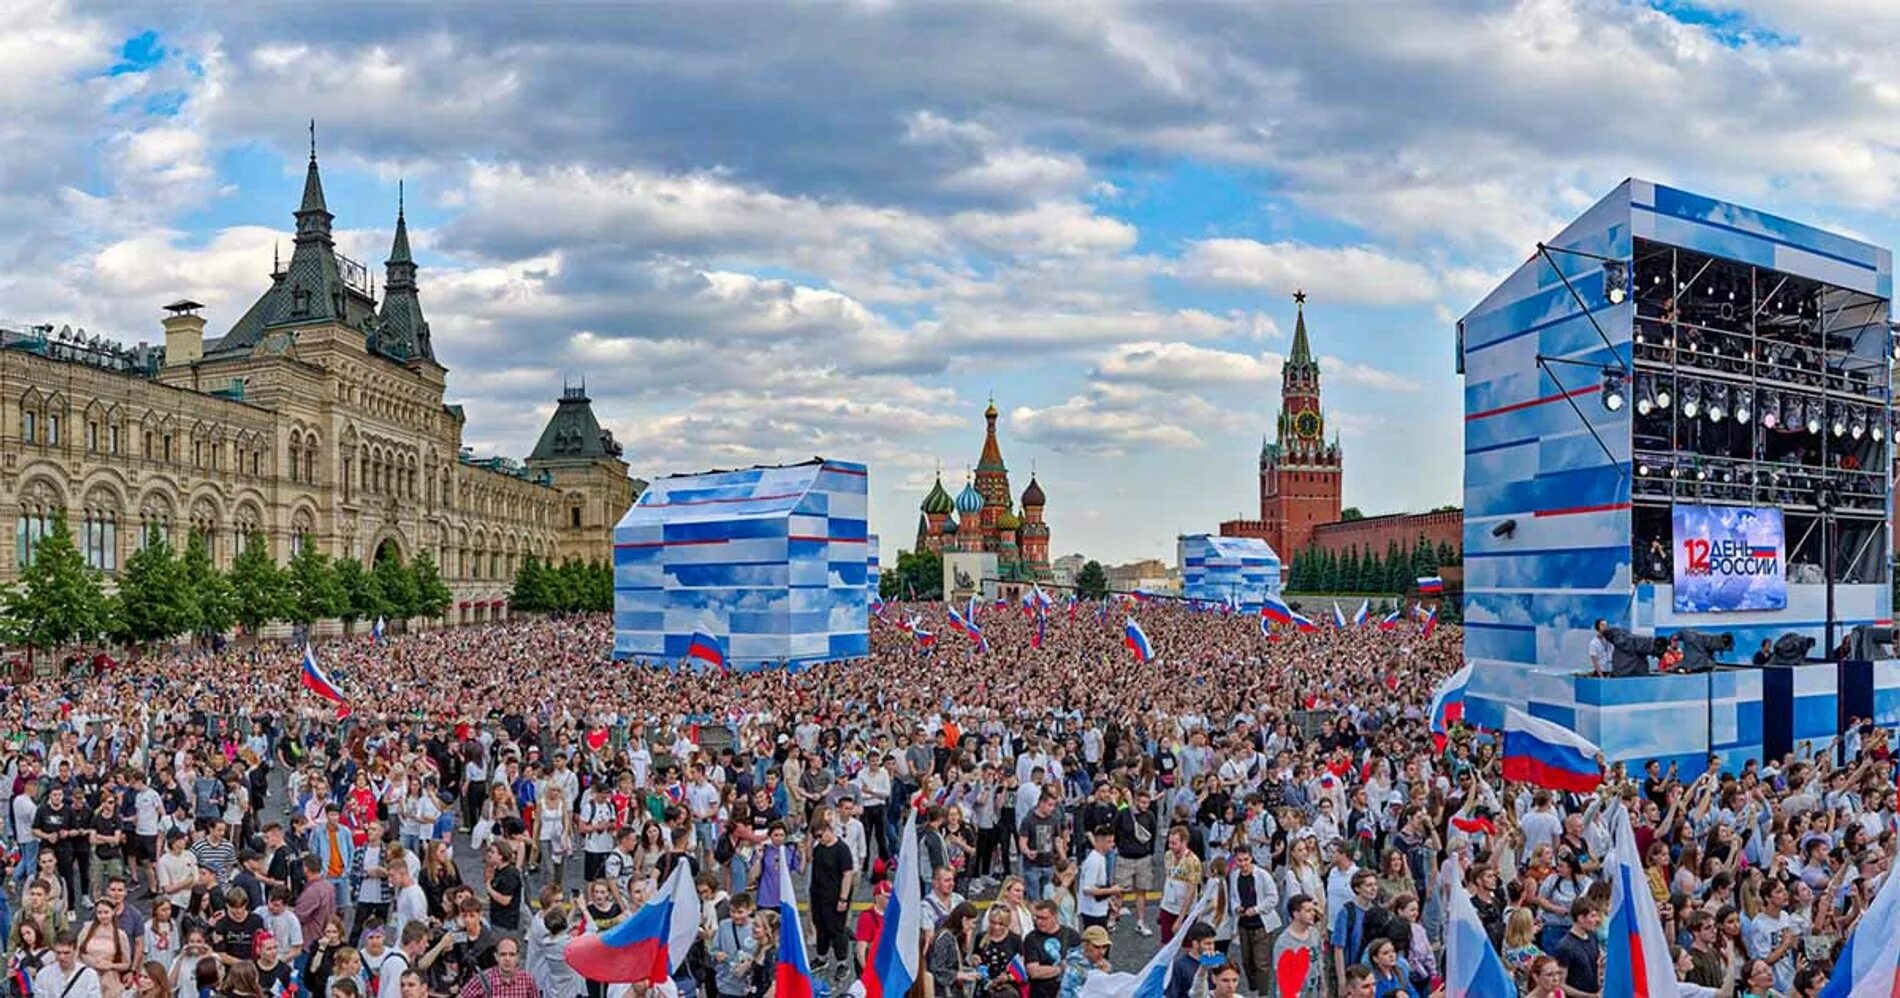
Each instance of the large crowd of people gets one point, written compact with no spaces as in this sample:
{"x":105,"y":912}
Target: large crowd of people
{"x":195,"y":823}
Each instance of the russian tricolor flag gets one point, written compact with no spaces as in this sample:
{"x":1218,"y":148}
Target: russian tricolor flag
{"x":1636,"y":955}
{"x":1389,"y":621}
{"x":958,"y":622}
{"x":1272,"y":609}
{"x":705,"y":648}
{"x":1151,"y":981}
{"x":651,"y":943}
{"x":1448,"y":705}
{"x":317,"y":681}
{"x":1430,"y":585}
{"x":925,"y":639}
{"x":1364,"y":614}
{"x":1868,"y":963}
{"x":376,"y":630}
{"x":1431,"y":623}
{"x":1136,"y":640}
{"x":1339,"y":616}
{"x":1544,"y":754}
{"x":1035,"y":640}
{"x":792,"y":974}
{"x":1472,"y":966}
{"x":896,"y":957}
{"x":1767,"y":553}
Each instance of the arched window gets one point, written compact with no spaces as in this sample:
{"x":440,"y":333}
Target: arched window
{"x":35,"y":522}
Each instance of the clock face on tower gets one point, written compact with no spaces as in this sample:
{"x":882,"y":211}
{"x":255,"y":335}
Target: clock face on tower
{"x":1306,"y":424}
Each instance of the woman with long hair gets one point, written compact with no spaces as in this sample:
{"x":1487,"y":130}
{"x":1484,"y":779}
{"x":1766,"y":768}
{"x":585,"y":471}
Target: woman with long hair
{"x":184,"y":967}
{"x":1062,"y":892}
{"x":1013,"y":897}
{"x":947,"y":963}
{"x":1304,"y":873}
{"x":104,"y":947}
{"x":765,"y":929}
{"x":1220,"y":912}
{"x":1546,"y":978}
{"x":1390,"y":975}
{"x":439,"y":873}
{"x":161,"y":932}
{"x":152,"y":981}
{"x":241,"y":981}
{"x":31,"y":947}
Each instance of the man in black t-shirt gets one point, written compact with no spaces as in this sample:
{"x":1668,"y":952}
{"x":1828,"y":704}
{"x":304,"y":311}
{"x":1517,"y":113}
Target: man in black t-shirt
{"x":1045,"y":948}
{"x":234,"y":934}
{"x":1039,"y":838}
{"x":1579,"y":950}
{"x":832,"y":873}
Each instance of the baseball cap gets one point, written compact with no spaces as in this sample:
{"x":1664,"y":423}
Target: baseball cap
{"x":1095,"y":935}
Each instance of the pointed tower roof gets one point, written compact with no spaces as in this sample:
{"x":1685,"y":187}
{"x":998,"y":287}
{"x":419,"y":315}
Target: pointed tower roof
{"x":311,"y":288}
{"x":573,"y":435}
{"x":402,"y":333}
{"x":938,"y":500}
{"x":1032,"y":496}
{"x":1302,"y":350}
{"x":992,"y":457}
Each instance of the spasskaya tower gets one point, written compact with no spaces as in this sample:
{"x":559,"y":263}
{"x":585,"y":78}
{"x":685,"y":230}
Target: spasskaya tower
{"x":1300,"y":470}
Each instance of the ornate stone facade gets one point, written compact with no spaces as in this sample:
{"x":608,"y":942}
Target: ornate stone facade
{"x":317,"y":418}
{"x":1299,"y":470}
{"x":981,"y":517}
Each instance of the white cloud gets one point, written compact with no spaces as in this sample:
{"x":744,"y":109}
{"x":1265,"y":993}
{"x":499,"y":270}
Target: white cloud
{"x":1185,"y":365}
{"x":1085,"y":425}
{"x":1356,"y":274}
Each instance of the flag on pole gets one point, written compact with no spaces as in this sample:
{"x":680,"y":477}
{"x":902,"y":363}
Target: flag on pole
{"x":1430,"y":585}
{"x":792,"y":974}
{"x":1151,"y":981}
{"x":895,"y":958}
{"x":1431,"y":623}
{"x":705,"y":647}
{"x":1448,"y":705}
{"x":376,"y":630}
{"x":1035,"y":640}
{"x":1868,"y":964}
{"x":1136,"y":640}
{"x":650,"y":944}
{"x":958,"y":622}
{"x":924,"y":639}
{"x":1364,"y":614}
{"x":1472,"y":966}
{"x":1389,"y":621}
{"x":317,"y":681}
{"x":1636,"y":956}
{"x":1339,"y":616}
{"x":1271,"y":609}
{"x":1548,"y":755}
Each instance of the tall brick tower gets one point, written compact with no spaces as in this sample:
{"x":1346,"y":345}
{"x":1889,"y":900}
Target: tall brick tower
{"x":1300,"y":471}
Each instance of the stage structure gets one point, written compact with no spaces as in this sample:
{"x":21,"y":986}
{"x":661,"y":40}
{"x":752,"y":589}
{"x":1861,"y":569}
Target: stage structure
{"x":1218,"y":569}
{"x":1677,"y":418}
{"x":772,"y":561}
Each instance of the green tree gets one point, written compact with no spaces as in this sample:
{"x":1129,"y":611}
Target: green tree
{"x":1349,"y":573}
{"x":357,"y":598}
{"x":919,"y":575}
{"x":1290,"y":573}
{"x":1350,"y":513}
{"x":1396,"y":565}
{"x":154,"y":604}
{"x":59,"y":599}
{"x":214,"y":604}
{"x":1328,"y":572}
{"x":1372,"y":573}
{"x":395,"y":589}
{"x":314,"y":593}
{"x":1446,"y":556}
{"x":1092,"y":581}
{"x":530,"y":592}
{"x":1424,"y":557}
{"x":432,"y":594}
{"x":601,"y":591}
{"x":260,"y":590}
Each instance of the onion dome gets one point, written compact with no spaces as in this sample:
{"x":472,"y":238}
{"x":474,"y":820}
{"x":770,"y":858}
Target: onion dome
{"x":938,"y":501}
{"x":969,"y":500}
{"x":949,"y":526}
{"x":1032,"y":496}
{"x":1007,"y":520}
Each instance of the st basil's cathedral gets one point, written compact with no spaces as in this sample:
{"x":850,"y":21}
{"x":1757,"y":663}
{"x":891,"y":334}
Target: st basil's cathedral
{"x":980,"y":517}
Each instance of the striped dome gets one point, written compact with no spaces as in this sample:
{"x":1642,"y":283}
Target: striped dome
{"x":938,"y":501}
{"x":969,"y":500}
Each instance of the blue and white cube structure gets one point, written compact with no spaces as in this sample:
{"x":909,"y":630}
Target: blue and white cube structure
{"x":773,"y":561}
{"x":1652,"y":357}
{"x":1216,"y":569}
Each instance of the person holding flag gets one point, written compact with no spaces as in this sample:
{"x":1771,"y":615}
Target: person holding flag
{"x":317,"y":681}
{"x":896,"y":958}
{"x":1363,"y":614}
{"x":1136,"y":641}
{"x":649,"y":945}
{"x":706,"y":649}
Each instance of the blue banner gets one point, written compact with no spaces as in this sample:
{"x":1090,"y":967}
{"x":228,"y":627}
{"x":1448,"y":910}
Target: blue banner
{"x":1728,"y":558}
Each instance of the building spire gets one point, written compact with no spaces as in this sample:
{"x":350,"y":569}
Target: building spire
{"x":1302,"y":350}
{"x":399,"y":250}
{"x":313,"y":216}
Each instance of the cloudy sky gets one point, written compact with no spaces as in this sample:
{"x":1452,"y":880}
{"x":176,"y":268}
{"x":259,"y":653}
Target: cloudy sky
{"x":764,"y":231}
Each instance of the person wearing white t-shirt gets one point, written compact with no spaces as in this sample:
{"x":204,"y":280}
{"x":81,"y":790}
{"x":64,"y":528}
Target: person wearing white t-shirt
{"x":25,"y":809}
{"x":411,"y":904}
{"x":1094,"y":887}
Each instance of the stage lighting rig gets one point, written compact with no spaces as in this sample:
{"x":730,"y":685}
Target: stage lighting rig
{"x":1616,"y":278}
{"x":1770,"y":410}
{"x":1613,"y":391}
{"x":1717,"y":403}
{"x":1692,"y":399}
{"x":1744,"y":405}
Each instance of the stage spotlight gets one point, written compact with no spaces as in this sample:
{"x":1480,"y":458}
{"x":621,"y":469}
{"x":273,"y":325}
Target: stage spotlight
{"x":1770,"y":410}
{"x":1642,"y":469}
{"x":1838,"y":421}
{"x":1645,"y":394}
{"x":1717,"y":403}
{"x":1744,"y":405}
{"x":1814,"y":416}
{"x":1879,"y":425}
{"x":1692,"y":399}
{"x":1613,"y":393}
{"x":1616,"y":276}
{"x":1663,"y":394}
{"x":1857,"y":423}
{"x":1793,"y":413}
